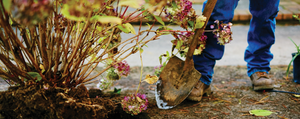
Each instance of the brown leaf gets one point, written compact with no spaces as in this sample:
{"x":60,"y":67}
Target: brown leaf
{"x":151,"y":79}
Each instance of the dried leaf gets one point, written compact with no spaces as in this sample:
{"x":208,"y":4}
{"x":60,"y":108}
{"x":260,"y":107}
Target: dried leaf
{"x":282,"y":117}
{"x":42,"y":68}
{"x":65,"y":12}
{"x":139,"y":99}
{"x":260,"y":112}
{"x":200,"y":22}
{"x":107,"y":19}
{"x":151,"y":79}
{"x":131,"y":3}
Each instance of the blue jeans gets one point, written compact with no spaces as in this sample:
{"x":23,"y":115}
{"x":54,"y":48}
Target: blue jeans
{"x":260,"y":37}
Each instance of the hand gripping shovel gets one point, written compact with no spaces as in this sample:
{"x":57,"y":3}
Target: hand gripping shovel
{"x":178,"y":78}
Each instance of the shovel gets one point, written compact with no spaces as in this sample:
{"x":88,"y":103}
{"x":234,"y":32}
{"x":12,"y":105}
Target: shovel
{"x":179,"y":77}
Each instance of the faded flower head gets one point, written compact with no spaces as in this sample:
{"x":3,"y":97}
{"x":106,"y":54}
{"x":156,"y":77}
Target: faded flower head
{"x":181,"y":11}
{"x":30,"y":12}
{"x":104,"y":84}
{"x":134,"y":104}
{"x":223,"y":32}
{"x":181,"y":43}
{"x":112,"y":74}
{"x":186,"y":6}
{"x":158,"y":70}
{"x":122,"y":68}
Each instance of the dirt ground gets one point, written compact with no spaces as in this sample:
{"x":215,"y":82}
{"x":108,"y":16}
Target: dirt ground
{"x":232,"y":97}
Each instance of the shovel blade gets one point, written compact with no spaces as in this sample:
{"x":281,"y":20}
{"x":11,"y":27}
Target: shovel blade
{"x":175,"y":84}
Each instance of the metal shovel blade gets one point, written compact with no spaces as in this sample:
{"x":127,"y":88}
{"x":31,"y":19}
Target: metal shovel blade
{"x":175,"y":84}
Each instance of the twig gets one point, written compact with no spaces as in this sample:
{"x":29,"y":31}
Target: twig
{"x":7,"y":82}
{"x":141,"y":63}
{"x":263,"y":98}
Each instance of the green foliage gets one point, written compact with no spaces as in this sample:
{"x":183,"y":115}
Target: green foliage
{"x":296,"y":17}
{"x":163,"y":30}
{"x":7,"y":5}
{"x":200,"y":21}
{"x":116,"y":91}
{"x":159,"y":20}
{"x":159,"y":69}
{"x":127,"y":28}
{"x":297,"y":53}
{"x":191,"y":24}
{"x":294,"y":57}
{"x":34,"y":75}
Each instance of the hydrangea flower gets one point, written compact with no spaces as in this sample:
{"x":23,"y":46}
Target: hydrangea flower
{"x":157,"y":70}
{"x":104,"y":84}
{"x":134,"y":104}
{"x":178,"y":14}
{"x":122,"y":68}
{"x":182,"y":40}
{"x":118,"y":70}
{"x":223,"y":32}
{"x":30,"y":12}
{"x":112,"y":74}
{"x":186,"y":6}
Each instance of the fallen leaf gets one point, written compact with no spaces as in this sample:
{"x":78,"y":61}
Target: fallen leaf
{"x":260,"y":112}
{"x":139,"y":99}
{"x":197,"y":112}
{"x":282,"y":117}
{"x":151,"y":79}
{"x":296,"y":95}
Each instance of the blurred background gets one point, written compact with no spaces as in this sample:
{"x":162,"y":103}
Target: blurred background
{"x":287,"y":28}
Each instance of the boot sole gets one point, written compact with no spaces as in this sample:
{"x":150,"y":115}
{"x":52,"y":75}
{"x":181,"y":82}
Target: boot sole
{"x":264,"y":87}
{"x":198,"y":98}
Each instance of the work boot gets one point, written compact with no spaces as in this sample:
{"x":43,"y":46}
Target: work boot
{"x":198,"y":91}
{"x":261,"y":81}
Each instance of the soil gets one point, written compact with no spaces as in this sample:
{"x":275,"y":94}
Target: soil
{"x":33,"y":102}
{"x":232,"y":97}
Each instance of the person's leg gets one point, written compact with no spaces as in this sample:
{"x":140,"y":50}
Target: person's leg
{"x":204,"y":63}
{"x":261,"y":36}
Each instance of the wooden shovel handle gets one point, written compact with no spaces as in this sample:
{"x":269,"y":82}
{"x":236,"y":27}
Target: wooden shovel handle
{"x":209,"y":7}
